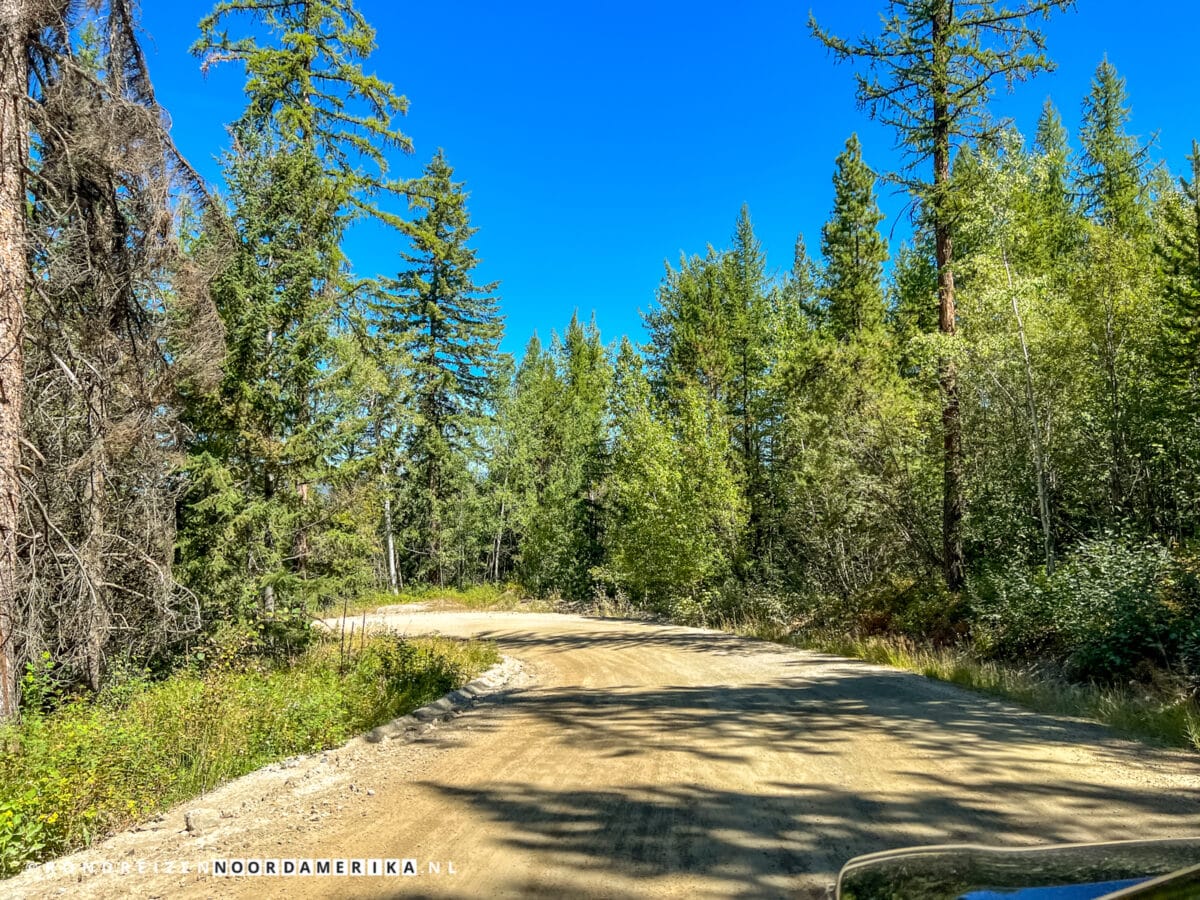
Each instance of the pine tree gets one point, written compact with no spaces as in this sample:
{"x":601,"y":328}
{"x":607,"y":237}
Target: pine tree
{"x":453,"y":329}
{"x":853,"y":248}
{"x":1112,"y":167}
{"x":930,"y":76}
{"x":586,"y":375}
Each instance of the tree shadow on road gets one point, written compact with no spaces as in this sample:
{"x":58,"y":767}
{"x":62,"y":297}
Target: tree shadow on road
{"x":814,"y":702}
{"x":788,"y":840}
{"x":936,"y":765}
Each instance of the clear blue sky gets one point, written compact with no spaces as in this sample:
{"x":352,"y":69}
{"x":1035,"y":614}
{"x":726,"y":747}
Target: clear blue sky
{"x":598,"y":140}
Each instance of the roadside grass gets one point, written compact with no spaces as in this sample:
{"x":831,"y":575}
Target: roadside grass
{"x":94,"y":767}
{"x":501,"y":598}
{"x":1158,"y":713}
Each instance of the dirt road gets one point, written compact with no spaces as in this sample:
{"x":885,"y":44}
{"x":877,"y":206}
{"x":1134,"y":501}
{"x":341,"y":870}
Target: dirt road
{"x":631,"y":759}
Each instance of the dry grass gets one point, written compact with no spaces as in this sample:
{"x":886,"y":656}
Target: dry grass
{"x":1161,"y":714}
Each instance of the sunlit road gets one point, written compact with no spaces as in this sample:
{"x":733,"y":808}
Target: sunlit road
{"x":641,"y":760}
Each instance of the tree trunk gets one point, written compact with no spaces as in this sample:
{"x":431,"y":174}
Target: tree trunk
{"x":268,"y":596}
{"x":391,"y":537}
{"x":98,"y":620}
{"x":499,"y":539}
{"x":952,"y":463}
{"x":269,"y":540}
{"x":14,"y":25}
{"x":1039,"y":453}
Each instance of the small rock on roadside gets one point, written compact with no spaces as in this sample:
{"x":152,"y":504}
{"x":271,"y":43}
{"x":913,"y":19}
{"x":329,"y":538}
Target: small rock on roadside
{"x":200,"y":821}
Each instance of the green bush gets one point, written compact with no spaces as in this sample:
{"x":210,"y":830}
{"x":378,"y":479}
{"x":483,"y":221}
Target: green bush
{"x":913,"y":607}
{"x":93,"y":767}
{"x":1109,"y":608}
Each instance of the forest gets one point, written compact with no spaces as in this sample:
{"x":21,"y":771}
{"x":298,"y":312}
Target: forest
{"x":985,"y":437}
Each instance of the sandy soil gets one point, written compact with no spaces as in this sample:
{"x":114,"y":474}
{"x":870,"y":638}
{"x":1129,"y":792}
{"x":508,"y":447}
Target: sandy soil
{"x":628,"y":759}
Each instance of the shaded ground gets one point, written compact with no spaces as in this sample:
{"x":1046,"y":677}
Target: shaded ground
{"x":636,"y":759}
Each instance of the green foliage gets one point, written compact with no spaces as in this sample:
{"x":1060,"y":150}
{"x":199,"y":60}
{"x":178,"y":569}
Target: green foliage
{"x":932,"y":70}
{"x":450,"y":328}
{"x":854,"y":249}
{"x":674,"y":506}
{"x":1111,"y":175}
{"x":305,"y":82}
{"x":281,"y":509}
{"x":1111,"y":606}
{"x":87,"y":769}
{"x":550,"y":461}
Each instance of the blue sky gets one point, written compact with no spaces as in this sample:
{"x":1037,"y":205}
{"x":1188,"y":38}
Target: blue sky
{"x":598,"y":140}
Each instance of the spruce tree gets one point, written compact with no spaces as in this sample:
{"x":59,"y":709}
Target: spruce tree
{"x":1112,"y":167}
{"x":1179,"y":251}
{"x":750,"y":316}
{"x":1054,"y":204}
{"x":1112,"y":288}
{"x":853,"y":248}
{"x":309,"y":155}
{"x":800,"y":305}
{"x":453,"y":328}
{"x":305,"y":81}
{"x":716,"y":320}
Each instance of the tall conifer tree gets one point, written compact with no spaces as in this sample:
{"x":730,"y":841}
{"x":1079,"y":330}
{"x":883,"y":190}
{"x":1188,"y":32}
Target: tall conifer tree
{"x":454,"y":328}
{"x":309,"y":155}
{"x":853,"y":248}
{"x":1112,"y":167}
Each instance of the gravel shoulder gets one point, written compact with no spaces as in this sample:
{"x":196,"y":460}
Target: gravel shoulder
{"x":612,"y":758}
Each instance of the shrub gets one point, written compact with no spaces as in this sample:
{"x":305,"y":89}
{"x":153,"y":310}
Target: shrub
{"x":93,"y":767}
{"x":1106,"y":610}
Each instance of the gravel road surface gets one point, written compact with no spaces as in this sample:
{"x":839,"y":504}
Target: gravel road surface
{"x":629,"y":759}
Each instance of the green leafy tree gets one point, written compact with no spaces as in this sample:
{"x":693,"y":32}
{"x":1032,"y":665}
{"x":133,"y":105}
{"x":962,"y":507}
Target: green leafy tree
{"x":675,"y":507}
{"x":712,"y":329}
{"x":1112,"y":286}
{"x":1052,"y":200}
{"x":555,"y":424}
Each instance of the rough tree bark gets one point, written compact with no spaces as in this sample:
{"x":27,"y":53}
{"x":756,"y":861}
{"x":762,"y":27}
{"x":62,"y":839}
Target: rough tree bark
{"x":952,"y":460}
{"x":14,"y":26}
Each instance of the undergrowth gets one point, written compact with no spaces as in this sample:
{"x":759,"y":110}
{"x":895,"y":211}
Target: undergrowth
{"x":94,"y":766}
{"x":485,"y":596}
